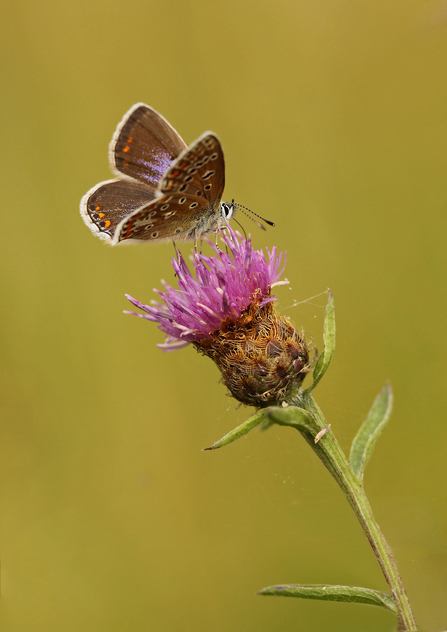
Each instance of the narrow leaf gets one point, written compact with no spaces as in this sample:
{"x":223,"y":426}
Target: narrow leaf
{"x":293,"y":416}
{"x":370,"y":431}
{"x":329,"y":343}
{"x":240,"y":431}
{"x":333,"y":593}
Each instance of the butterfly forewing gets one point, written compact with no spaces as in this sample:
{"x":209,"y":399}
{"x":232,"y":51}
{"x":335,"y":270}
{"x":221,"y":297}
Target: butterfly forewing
{"x":108,"y":203}
{"x":199,"y":171}
{"x":144,"y":145}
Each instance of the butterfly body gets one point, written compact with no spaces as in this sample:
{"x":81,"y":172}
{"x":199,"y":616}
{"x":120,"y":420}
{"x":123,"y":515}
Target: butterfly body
{"x":164,"y":191}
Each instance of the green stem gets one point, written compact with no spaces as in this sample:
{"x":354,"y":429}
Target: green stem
{"x":331,"y":454}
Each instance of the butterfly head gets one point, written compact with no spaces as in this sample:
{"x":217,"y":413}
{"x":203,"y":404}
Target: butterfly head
{"x":227,"y":211}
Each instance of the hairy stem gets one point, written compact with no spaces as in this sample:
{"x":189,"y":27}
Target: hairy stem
{"x":331,"y":454}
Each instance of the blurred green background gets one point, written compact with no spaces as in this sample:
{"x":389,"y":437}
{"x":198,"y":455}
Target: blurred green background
{"x":333,"y":117}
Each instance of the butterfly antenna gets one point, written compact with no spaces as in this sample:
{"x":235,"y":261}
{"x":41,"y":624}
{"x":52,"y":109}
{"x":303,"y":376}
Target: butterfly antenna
{"x":244,"y":208}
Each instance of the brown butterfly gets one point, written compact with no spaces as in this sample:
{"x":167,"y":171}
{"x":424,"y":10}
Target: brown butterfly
{"x":165,"y":190}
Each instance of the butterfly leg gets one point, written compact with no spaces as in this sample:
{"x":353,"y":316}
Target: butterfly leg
{"x":177,"y":251}
{"x":216,"y":232}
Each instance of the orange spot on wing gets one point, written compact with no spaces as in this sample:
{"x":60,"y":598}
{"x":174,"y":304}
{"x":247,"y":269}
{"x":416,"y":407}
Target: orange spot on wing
{"x":107,"y":223}
{"x":126,"y":149}
{"x":129,"y":230}
{"x":97,"y":208}
{"x":130,"y":139}
{"x":101,"y":215}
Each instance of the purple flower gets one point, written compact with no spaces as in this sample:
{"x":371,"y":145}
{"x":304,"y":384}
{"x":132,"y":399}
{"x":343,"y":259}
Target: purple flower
{"x":223,"y":288}
{"x":226,"y":311}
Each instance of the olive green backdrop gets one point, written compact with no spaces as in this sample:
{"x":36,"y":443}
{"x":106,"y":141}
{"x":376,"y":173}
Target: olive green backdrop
{"x":333,"y":117}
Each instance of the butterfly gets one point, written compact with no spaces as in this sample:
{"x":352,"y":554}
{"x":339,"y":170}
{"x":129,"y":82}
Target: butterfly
{"x":164,"y":191}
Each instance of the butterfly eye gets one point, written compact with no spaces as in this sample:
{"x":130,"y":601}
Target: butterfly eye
{"x":182,"y":200}
{"x":207,"y":187}
{"x":193,"y":205}
{"x":164,"y":207}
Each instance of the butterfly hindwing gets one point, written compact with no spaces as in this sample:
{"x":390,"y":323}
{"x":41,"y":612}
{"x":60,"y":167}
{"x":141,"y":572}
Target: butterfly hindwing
{"x":170,"y":217}
{"x":108,"y":203}
{"x":144,"y":145}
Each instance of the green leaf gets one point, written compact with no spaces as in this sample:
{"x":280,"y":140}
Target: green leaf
{"x":333,"y":593}
{"x":329,"y":343}
{"x":370,"y":431}
{"x":240,"y":431}
{"x":293,"y":416}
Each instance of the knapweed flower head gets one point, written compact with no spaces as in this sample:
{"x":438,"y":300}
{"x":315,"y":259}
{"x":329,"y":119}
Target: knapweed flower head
{"x":226,"y":310}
